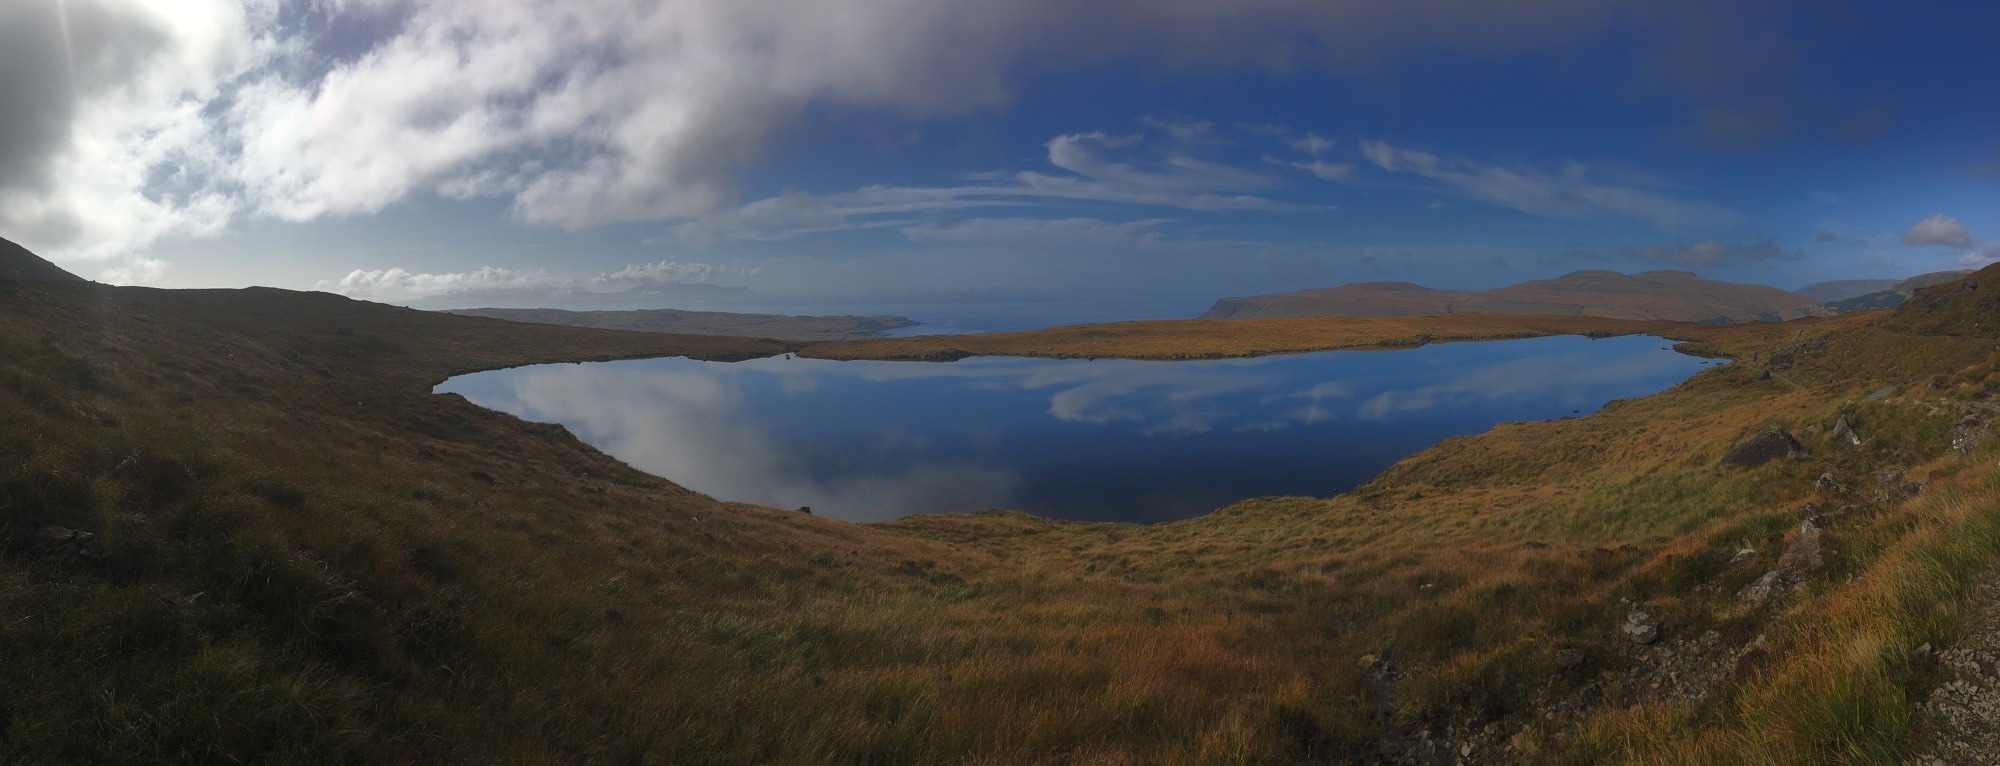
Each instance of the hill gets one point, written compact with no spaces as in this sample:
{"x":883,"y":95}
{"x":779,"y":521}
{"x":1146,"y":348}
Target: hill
{"x":1843,"y":289}
{"x":236,"y":526}
{"x":1667,"y":295}
{"x":1895,"y":292}
{"x":802,"y":328}
{"x":19,"y":265}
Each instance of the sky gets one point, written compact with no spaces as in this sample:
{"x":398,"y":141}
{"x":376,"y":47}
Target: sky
{"x":1142,"y":155}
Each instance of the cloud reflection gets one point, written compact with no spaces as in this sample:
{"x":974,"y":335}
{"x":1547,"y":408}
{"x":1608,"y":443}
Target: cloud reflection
{"x":880,"y":440}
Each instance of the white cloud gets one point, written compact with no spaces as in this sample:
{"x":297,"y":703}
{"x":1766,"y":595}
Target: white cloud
{"x":397,"y":284}
{"x":103,"y":143}
{"x":1938,"y":230}
{"x":1986,"y":255}
{"x":1066,"y":230}
{"x":1573,"y":191}
{"x":673,"y":273}
{"x":128,"y":121}
{"x":1098,"y":168}
{"x":1312,"y":143}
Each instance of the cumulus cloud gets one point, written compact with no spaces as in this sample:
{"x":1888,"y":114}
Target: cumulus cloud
{"x":673,"y":273}
{"x":1986,"y":255}
{"x":397,"y":284}
{"x":1702,"y":255}
{"x":1574,"y":190}
{"x":1938,"y":230}
{"x":128,"y":121}
{"x":103,"y":142}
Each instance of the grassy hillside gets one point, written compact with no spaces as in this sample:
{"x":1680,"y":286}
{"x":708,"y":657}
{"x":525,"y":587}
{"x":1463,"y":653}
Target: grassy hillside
{"x":1653,"y":295}
{"x":298,"y":554}
{"x":1894,"y":293}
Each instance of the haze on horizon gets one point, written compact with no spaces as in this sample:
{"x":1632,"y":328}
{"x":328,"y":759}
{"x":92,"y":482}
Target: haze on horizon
{"x":469,"y":151}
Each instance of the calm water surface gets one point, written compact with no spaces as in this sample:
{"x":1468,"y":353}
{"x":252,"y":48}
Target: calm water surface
{"x":1109,"y":440}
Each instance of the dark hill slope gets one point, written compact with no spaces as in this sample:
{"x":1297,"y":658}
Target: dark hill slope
{"x":19,"y":265}
{"x":1667,"y":295}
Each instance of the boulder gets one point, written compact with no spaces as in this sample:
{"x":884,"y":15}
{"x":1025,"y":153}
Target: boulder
{"x":1968,"y":435}
{"x":1762,"y":588}
{"x":1765,"y":447}
{"x":1805,"y":556}
{"x":1891,"y":487}
{"x":1843,"y":431}
{"x":63,"y":542}
{"x":1640,"y":628}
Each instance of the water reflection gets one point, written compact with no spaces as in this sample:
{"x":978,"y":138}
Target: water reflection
{"x":1101,"y":440}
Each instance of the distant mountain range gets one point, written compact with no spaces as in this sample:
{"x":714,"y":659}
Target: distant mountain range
{"x":1669,"y":295}
{"x":1857,"y":294}
{"x":707,"y":322}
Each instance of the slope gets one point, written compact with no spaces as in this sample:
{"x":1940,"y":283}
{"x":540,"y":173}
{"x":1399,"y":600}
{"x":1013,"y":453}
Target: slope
{"x":1662,"y":295}
{"x":234,"y":525}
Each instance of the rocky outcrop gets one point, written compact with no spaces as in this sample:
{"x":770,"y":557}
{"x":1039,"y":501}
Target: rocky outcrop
{"x":1767,"y":446}
{"x":1805,"y":556}
{"x":1969,"y":435}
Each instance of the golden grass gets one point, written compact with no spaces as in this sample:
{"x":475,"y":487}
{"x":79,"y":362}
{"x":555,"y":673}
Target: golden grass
{"x":308,"y":557}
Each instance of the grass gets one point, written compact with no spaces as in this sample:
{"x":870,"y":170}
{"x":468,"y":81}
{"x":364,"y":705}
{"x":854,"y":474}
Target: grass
{"x":302,"y":555}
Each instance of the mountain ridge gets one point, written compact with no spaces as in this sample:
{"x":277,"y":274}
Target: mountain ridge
{"x":1662,"y":295}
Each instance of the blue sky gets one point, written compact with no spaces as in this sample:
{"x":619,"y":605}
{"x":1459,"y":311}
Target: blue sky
{"x":821,"y":154}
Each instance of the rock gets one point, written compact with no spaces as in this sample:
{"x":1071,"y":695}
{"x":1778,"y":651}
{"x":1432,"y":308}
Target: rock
{"x":1763,"y":588}
{"x":1968,"y":435}
{"x":1890,"y":487}
{"x":806,"y":509}
{"x":1844,"y":432}
{"x":1767,"y":446}
{"x":1881,"y":393}
{"x":1826,"y":484}
{"x":1568,"y":659}
{"x":1640,"y":628}
{"x":1804,"y":557}
{"x":63,"y":542}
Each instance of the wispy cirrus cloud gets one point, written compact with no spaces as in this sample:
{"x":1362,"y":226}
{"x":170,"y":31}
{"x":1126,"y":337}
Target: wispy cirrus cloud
{"x":1095,"y":168}
{"x":1709,"y":254}
{"x":1574,"y":190}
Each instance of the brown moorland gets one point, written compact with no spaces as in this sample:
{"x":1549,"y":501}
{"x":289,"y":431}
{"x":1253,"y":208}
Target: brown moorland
{"x":1651,"y":295}
{"x":299,"y":554}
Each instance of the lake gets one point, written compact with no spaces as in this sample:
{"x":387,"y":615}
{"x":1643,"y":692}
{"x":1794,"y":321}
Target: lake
{"x":1099,"y":440}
